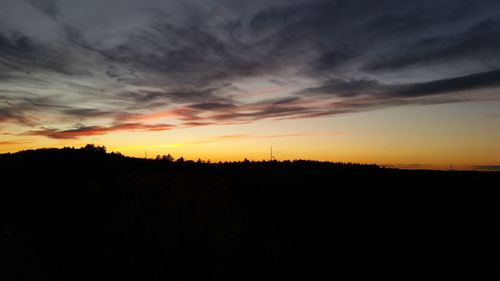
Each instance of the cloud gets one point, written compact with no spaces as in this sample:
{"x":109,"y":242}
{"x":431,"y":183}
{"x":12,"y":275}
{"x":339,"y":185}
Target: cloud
{"x":479,"y":43}
{"x":21,"y":55}
{"x":409,"y":166}
{"x":204,"y":63}
{"x":8,"y":115}
{"x":212,"y":106}
{"x":487,"y":167}
{"x":346,"y":88}
{"x":47,"y":7}
{"x":83,"y":131}
{"x":353,"y":88}
{"x":147,"y":97}
{"x":272,"y":108}
{"x":84,"y":113}
{"x":13,"y":142}
{"x":473,"y":81}
{"x":23,"y":108}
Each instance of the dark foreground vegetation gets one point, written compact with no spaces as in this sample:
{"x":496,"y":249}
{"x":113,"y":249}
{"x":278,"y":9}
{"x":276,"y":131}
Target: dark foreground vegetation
{"x":84,"y":214}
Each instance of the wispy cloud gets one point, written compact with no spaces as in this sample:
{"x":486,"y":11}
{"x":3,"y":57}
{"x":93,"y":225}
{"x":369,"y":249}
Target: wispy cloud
{"x":381,"y":92}
{"x":14,"y":142}
{"x":154,"y":60}
{"x":83,"y":131}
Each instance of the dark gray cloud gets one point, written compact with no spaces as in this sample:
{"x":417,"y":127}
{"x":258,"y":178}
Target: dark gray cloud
{"x":212,"y":106}
{"x":48,"y":7}
{"x":479,"y":43}
{"x":22,"y":56}
{"x":347,"y":88}
{"x":353,"y":88}
{"x":487,"y":168}
{"x":9,"y":115}
{"x":288,"y":107}
{"x":24,"y":108}
{"x":200,"y":61}
{"x":474,"y":81}
{"x":88,"y":113}
{"x":178,"y":96}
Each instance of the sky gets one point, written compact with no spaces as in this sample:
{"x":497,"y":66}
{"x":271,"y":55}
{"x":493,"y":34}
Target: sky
{"x":412,"y":84}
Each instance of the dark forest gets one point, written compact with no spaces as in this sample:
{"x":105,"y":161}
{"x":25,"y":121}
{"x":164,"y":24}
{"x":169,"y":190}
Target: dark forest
{"x":85,"y":214}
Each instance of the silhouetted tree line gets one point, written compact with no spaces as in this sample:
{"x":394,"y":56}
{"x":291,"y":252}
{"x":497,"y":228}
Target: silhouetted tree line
{"x":85,"y":214}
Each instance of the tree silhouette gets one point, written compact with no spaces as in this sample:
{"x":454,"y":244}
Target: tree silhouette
{"x":95,"y":149}
{"x":166,"y":158}
{"x":90,"y":215}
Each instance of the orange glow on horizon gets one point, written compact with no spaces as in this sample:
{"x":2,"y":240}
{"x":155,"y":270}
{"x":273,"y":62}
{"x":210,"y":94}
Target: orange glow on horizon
{"x":407,"y":137}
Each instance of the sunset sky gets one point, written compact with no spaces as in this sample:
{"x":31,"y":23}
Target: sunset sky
{"x":412,"y":84}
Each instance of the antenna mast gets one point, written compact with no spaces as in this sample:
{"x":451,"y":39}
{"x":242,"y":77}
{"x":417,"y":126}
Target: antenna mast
{"x":271,"y":154}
